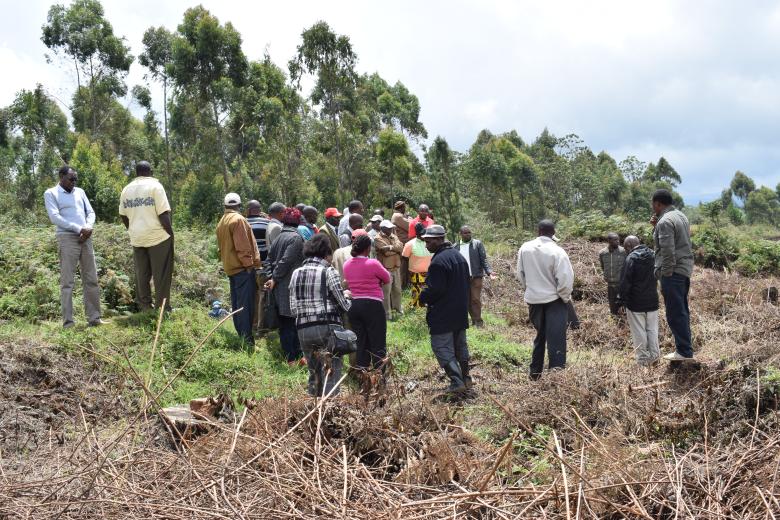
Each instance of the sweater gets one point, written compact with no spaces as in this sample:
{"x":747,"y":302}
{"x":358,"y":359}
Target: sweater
{"x":544,"y":271}
{"x":446,"y":291}
{"x":365,"y":278}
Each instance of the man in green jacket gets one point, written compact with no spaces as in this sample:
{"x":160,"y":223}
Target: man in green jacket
{"x":612,"y":259}
{"x":673,"y":267}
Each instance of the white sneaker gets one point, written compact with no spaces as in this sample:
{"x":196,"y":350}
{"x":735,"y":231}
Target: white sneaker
{"x":675,"y":356}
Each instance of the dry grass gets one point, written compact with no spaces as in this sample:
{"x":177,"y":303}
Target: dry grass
{"x":601,"y":439}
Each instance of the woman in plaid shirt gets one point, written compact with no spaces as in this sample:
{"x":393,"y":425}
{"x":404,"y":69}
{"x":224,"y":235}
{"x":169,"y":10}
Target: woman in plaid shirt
{"x":314,"y":314}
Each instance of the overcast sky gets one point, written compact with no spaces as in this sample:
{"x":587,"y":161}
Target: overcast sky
{"x":695,"y":82}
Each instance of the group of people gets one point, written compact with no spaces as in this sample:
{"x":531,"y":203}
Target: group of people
{"x":632,"y":273}
{"x":305,"y":279}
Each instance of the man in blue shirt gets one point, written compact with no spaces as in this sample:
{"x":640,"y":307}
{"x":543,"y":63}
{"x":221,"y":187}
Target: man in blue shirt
{"x":70,"y":210}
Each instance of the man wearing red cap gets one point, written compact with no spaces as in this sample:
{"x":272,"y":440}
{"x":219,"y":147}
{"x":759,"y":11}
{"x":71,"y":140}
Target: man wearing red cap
{"x":332,"y":219}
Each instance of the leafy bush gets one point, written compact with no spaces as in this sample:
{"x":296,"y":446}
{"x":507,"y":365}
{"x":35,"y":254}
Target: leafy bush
{"x":594,"y":226}
{"x":759,"y":258}
{"x":714,"y":248}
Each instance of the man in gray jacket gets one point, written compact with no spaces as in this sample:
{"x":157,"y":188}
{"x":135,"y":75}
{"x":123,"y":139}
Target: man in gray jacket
{"x":474,"y":253}
{"x":673,"y":267}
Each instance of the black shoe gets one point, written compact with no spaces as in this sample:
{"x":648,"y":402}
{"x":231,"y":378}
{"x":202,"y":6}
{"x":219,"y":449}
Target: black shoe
{"x":456,"y":378}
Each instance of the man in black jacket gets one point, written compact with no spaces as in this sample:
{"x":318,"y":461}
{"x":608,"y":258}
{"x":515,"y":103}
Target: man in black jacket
{"x":446,"y":294}
{"x":638,"y":293}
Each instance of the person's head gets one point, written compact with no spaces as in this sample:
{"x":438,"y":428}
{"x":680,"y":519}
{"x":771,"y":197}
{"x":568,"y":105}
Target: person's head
{"x":318,"y":247}
{"x":546,"y":228}
{"x":253,"y":208}
{"x":386,"y":227}
{"x":310,"y":213}
{"x":355,"y":207}
{"x":68,"y":178}
{"x":361,"y":245}
{"x":662,"y":199}
{"x":355,"y":221}
{"x":613,"y":240}
{"x":143,"y":169}
{"x":434,"y":236}
{"x":380,"y":212}
{"x":375,"y":221}
{"x":400,"y":206}
{"x":423,"y":211}
{"x":232,"y":201}
{"x":358,"y":233}
{"x":276,"y":210}
{"x":300,"y":206}
{"x":291,"y":217}
{"x":333,"y":216}
{"x":630,"y":243}
{"x":465,"y":233}
{"x":419,"y":229}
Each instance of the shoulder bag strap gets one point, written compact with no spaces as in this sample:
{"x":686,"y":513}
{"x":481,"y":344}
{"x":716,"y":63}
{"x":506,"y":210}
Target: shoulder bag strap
{"x":324,"y":290}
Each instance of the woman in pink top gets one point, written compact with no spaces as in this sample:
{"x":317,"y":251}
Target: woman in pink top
{"x":365,"y":278}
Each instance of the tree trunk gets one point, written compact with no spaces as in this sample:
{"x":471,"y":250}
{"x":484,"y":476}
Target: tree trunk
{"x":218,"y":128}
{"x":512,"y":202}
{"x":165,"y":129}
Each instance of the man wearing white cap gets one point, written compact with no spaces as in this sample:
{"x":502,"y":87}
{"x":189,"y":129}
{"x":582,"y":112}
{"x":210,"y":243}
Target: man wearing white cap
{"x":388,"y":250}
{"x":240,"y":257}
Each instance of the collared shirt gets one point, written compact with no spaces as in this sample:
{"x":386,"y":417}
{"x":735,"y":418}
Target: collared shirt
{"x":143,"y":201}
{"x":306,"y":301}
{"x":466,"y":253}
{"x":544,"y":271}
{"x":344,"y":222}
{"x":70,"y":212}
{"x":612,"y":264}
{"x":412,"y":232}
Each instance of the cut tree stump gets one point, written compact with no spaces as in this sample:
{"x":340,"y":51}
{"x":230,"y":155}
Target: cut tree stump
{"x":183,"y":423}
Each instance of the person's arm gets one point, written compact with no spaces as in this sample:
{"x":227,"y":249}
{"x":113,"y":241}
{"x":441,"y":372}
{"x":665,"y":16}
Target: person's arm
{"x":125,"y":221}
{"x":244,"y":243}
{"x":483,"y":259}
{"x":564,"y":276}
{"x":293,"y":296}
{"x":89,"y":213}
{"x":290,"y":259}
{"x":53,"y":209}
{"x":435,"y":285}
{"x":381,"y":273}
{"x":165,"y":222}
{"x":625,"y":281}
{"x":519,"y":273}
{"x":333,"y":281}
{"x":665,"y":230}
{"x":396,"y":247}
{"x":407,"y":251}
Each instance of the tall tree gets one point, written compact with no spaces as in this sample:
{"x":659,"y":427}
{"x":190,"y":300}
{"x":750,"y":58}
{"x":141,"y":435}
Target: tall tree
{"x":82,"y":33}
{"x":158,"y":58}
{"x":444,"y":169}
{"x":208,"y":64}
{"x":742,"y":186}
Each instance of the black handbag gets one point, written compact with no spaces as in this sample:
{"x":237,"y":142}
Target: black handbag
{"x":340,"y":340}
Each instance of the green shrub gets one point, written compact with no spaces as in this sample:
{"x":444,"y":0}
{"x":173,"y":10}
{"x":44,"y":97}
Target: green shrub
{"x":594,"y":226}
{"x":714,"y":248}
{"x":759,"y":258}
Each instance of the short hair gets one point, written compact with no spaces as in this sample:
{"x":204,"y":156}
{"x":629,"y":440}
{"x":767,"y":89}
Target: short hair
{"x":143,"y":167}
{"x":612,"y":234}
{"x":663,"y":196}
{"x":64,"y":170}
{"x":276,"y":208}
{"x":354,"y":205}
{"x":317,"y":247}
{"x":360,"y":245}
{"x":308,"y":210}
{"x":421,"y":206}
{"x":419,"y":228}
{"x":291,"y":217}
{"x":355,"y":219}
{"x":465,"y":227}
{"x":300,"y":206}
{"x":546,"y":227}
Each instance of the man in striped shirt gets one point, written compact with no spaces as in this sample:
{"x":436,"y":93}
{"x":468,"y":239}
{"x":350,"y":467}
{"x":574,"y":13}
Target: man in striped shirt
{"x":258,"y":221}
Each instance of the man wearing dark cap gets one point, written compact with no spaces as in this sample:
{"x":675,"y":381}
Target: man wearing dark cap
{"x":446,"y":294}
{"x":545,"y":273}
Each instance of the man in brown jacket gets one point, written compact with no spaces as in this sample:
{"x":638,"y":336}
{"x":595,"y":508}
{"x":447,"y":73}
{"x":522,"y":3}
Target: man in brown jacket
{"x":240,"y":257}
{"x":388,"y":251}
{"x":401,"y":222}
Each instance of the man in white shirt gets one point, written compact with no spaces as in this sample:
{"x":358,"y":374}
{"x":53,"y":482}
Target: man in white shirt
{"x":545,"y":273}
{"x":145,"y":212}
{"x":70,"y":210}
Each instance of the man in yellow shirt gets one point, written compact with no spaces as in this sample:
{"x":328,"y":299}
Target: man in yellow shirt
{"x":145,"y":212}
{"x":240,"y":257}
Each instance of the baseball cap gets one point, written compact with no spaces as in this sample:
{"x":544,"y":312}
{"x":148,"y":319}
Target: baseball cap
{"x":434,"y":231}
{"x":232,"y":199}
{"x":376,"y":218}
{"x":358,"y":232}
{"x":332,"y":212}
{"x":386,"y":224}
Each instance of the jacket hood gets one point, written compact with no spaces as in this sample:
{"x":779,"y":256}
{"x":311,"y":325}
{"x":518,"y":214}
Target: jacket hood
{"x":643,"y":253}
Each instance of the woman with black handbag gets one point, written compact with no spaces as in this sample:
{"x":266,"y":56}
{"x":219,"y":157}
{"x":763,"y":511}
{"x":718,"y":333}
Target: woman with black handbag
{"x":317,"y":301}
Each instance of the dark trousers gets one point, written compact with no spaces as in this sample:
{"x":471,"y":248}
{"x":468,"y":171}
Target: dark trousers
{"x":288,"y":337}
{"x":549,"y":320}
{"x":154,"y":263}
{"x":612,"y":294}
{"x":324,"y":369}
{"x":451,"y":346}
{"x":368,"y":321}
{"x":242,"y":294}
{"x":675,"y":290}
{"x":475,"y":300}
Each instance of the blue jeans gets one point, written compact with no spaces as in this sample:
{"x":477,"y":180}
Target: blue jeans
{"x":288,"y":337}
{"x":675,"y":290}
{"x":242,"y":294}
